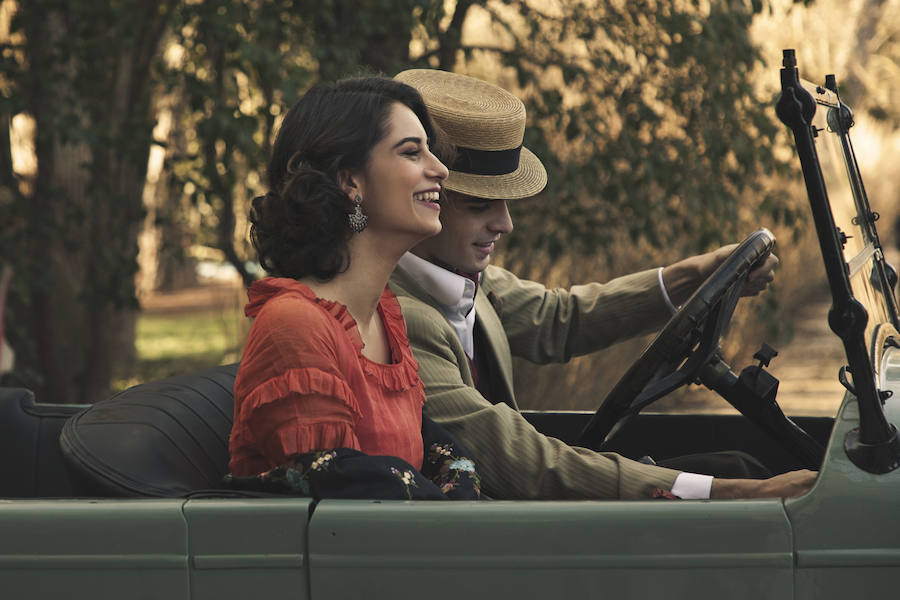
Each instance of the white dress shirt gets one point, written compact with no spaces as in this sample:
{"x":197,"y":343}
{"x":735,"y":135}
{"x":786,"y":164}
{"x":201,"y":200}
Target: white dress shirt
{"x":454,"y":293}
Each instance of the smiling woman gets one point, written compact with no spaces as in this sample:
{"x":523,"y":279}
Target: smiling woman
{"x":328,"y":401}
{"x":400,"y":183}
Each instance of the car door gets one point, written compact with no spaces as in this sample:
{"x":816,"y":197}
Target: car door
{"x":560,"y":549}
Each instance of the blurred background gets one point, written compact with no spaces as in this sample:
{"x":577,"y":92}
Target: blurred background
{"x":138,"y":132}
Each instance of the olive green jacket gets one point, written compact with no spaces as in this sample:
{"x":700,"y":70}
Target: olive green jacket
{"x":541,"y":325}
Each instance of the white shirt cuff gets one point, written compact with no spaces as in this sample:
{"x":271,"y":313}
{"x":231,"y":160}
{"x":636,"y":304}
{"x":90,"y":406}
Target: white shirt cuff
{"x":662,"y":287}
{"x":691,"y":486}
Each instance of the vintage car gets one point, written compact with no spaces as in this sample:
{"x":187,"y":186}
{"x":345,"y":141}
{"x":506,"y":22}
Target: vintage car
{"x":123,"y":499}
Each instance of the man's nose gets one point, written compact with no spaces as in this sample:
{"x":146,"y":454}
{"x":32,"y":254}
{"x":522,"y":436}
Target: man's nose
{"x":501,"y":221}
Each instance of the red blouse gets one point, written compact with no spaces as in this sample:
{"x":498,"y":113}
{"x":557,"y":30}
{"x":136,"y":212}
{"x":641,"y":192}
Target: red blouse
{"x":304,"y":384}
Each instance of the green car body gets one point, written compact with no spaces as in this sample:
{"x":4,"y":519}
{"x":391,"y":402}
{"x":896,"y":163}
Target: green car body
{"x":840,"y":540}
{"x":835,"y":542}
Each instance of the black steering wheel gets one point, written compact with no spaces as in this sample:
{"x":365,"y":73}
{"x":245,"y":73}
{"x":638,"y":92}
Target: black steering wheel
{"x":688,"y":342}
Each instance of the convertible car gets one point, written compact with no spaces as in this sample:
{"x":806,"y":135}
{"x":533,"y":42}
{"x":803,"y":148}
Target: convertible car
{"x":122,"y":499}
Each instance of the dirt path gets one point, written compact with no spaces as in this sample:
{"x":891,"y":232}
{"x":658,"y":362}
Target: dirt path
{"x":224,"y":296}
{"x":806,"y":368}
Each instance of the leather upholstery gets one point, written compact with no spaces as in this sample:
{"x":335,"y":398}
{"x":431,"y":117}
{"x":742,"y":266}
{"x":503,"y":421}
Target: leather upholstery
{"x":166,"y":438}
{"x":32,"y":466}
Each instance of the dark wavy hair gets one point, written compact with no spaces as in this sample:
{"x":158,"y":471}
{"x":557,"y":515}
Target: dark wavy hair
{"x":300,"y":227}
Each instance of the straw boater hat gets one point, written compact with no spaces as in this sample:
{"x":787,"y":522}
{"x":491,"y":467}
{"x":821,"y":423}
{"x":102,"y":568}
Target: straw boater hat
{"x":486,"y":124}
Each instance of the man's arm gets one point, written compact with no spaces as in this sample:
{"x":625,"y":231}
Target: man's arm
{"x":552,"y":325}
{"x":786,"y":485}
{"x":513,"y":458}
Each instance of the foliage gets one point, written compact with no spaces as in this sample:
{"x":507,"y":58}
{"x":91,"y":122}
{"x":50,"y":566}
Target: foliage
{"x":642,"y":111}
{"x":235,"y":66}
{"x":645,"y":116}
{"x":858,"y":40}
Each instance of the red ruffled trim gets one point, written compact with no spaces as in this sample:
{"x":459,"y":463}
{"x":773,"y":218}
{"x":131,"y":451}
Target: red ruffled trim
{"x":399,"y":376}
{"x":403,"y":374}
{"x":302,"y":380}
{"x":269,"y":287}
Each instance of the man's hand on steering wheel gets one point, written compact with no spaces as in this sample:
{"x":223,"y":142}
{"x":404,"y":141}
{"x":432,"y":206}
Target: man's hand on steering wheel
{"x":683,"y":277}
{"x":759,"y":278}
{"x":690,"y":340}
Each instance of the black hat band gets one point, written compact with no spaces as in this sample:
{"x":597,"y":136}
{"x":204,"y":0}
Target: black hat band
{"x":486,"y":162}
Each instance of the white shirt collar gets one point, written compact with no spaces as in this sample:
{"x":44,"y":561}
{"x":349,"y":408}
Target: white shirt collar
{"x":454,"y":293}
{"x":445,"y":286}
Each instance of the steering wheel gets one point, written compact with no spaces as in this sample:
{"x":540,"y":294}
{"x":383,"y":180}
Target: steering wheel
{"x":688,"y":342}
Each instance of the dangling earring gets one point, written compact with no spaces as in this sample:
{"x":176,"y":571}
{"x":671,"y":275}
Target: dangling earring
{"x":358,"y":220}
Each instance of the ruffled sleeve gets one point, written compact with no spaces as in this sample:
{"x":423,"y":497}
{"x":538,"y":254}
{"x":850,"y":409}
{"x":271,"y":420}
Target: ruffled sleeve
{"x":285,"y":389}
{"x":291,"y":393}
{"x":300,"y":411}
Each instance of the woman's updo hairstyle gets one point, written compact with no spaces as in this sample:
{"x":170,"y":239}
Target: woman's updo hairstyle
{"x":300,"y":227}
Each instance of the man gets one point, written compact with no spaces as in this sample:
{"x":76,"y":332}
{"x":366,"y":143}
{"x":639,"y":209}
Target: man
{"x":466,"y":318}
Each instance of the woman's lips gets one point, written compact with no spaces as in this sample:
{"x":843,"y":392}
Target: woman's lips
{"x":432,"y":205}
{"x":430,"y":199}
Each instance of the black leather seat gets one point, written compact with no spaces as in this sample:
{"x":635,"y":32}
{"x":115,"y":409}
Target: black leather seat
{"x":167,"y":438}
{"x":32,"y":465}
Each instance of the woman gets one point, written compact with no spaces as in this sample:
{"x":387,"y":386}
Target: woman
{"x":327,"y":398}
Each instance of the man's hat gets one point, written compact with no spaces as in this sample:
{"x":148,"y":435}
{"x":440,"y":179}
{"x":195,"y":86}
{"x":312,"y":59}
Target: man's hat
{"x":486,"y":124}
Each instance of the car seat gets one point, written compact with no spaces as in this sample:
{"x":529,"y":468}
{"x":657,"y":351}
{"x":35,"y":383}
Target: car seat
{"x":166,"y":438}
{"x":32,"y":465}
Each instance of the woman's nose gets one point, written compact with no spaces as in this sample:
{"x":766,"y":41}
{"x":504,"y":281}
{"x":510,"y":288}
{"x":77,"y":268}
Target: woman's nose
{"x":438,"y":169}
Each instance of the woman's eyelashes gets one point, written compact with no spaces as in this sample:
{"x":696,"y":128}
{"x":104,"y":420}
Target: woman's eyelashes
{"x":415,"y":150}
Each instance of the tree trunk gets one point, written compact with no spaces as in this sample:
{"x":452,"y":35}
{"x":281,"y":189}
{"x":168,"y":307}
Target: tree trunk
{"x":91,"y":105}
{"x":451,"y":39}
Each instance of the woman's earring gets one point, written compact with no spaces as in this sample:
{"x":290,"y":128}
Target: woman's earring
{"x":358,"y":220}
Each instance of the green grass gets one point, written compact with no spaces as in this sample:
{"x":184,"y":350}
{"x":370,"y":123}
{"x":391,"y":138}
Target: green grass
{"x":181,"y":342}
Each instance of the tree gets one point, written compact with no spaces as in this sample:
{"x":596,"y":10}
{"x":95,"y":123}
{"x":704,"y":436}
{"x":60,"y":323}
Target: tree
{"x":83,"y":71}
